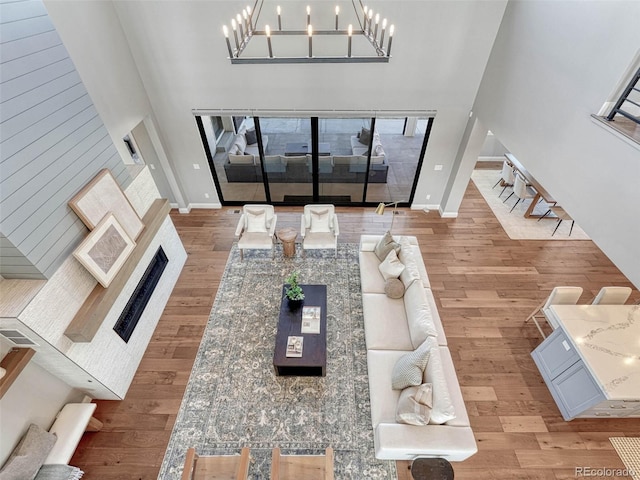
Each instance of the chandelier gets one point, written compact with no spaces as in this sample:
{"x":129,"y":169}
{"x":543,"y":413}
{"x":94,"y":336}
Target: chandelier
{"x":370,"y":31}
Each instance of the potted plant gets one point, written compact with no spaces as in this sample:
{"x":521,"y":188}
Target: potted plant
{"x":293,"y":291}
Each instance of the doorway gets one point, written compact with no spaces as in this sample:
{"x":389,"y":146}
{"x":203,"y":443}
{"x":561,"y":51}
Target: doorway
{"x":293,"y":160}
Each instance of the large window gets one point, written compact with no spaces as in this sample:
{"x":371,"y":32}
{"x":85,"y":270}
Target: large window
{"x":300,"y":160}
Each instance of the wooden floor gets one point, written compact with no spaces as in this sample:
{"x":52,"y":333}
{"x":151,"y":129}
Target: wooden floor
{"x":485,"y":285}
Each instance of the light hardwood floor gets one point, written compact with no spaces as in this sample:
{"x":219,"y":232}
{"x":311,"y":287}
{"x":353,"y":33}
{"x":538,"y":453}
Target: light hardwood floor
{"x":485,"y":285}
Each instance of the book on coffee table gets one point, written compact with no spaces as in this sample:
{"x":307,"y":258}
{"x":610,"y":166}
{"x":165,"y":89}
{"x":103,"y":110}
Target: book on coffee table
{"x":294,"y":346}
{"x":310,"y":320}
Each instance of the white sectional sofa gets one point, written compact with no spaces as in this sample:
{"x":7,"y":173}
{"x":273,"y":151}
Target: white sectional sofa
{"x":391,"y":332}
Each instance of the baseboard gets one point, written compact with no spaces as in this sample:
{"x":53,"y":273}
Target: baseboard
{"x":184,"y":210}
{"x":214,"y":206}
{"x":447,"y":214}
{"x":425,"y":206}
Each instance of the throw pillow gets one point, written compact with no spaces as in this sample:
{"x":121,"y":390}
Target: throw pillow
{"x":365,"y":136}
{"x":443,"y":409}
{"x":256,"y":221}
{"x":391,"y":267}
{"x":28,"y":456}
{"x":378,"y":150}
{"x":241,"y":143}
{"x":320,"y":221}
{"x":251,"y":136}
{"x":385,"y":245}
{"x":408,"y":370}
{"x":394,"y":288}
{"x":60,"y":471}
{"x":419,"y":316}
{"x":414,"y":405}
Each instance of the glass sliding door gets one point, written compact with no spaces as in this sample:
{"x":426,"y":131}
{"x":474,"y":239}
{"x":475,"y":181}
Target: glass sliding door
{"x":402,"y":143}
{"x":286,"y":164}
{"x":342,"y":159}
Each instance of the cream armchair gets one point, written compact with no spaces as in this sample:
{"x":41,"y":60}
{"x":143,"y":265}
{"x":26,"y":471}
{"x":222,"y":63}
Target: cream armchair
{"x":319,"y":228}
{"x":256,"y":228}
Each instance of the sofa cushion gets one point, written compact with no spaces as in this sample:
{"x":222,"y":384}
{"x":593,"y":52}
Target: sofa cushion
{"x":385,"y":324}
{"x":365,"y":136}
{"x":256,"y":221}
{"x":409,"y":368}
{"x":414,"y":405}
{"x":418,"y":313}
{"x":320,"y":221}
{"x":240,"y":159}
{"x":443,"y":409}
{"x":241,"y":143}
{"x":391,"y":267}
{"x":385,"y":245}
{"x":29,"y":455}
{"x":251,"y":136}
{"x":394,"y":288}
{"x":411,"y":256}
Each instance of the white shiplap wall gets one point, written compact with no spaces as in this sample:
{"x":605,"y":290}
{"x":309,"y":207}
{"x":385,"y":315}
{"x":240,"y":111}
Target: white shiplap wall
{"x":52,"y":143}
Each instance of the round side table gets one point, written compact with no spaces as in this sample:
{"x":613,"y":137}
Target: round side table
{"x":431,"y":469}
{"x":288,"y":238}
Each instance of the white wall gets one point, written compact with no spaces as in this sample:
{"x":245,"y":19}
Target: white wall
{"x":439,"y":53}
{"x":553,"y":65}
{"x":35,"y":397}
{"x":92,"y":33}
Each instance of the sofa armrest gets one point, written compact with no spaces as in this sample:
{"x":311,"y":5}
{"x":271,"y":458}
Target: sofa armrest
{"x":368,"y":242}
{"x":303,"y":226}
{"x":70,"y":425}
{"x":395,"y":441}
{"x":336,"y":227}
{"x":272,"y":227}
{"x":241,"y":224}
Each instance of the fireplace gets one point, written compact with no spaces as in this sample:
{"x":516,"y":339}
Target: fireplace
{"x":141,"y":296}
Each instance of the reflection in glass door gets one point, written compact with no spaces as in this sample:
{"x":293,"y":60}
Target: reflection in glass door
{"x":401,"y":143}
{"x":287,"y":158}
{"x":342,"y":159}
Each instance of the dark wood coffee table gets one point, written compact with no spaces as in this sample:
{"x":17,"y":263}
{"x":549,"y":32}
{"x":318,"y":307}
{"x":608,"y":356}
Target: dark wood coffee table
{"x":313,"y":362}
{"x":302,"y":148}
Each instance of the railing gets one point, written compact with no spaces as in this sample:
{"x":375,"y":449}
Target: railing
{"x":624,"y":99}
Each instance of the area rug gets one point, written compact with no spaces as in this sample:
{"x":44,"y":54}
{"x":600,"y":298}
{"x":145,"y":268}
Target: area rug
{"x":516,"y":226}
{"x":234,"y":399}
{"x":628,"y":449}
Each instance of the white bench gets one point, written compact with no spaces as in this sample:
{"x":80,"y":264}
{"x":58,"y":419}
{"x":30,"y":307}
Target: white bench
{"x":73,"y":420}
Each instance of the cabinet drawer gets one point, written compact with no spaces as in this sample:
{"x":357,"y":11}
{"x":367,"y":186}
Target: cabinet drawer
{"x":556,"y":353}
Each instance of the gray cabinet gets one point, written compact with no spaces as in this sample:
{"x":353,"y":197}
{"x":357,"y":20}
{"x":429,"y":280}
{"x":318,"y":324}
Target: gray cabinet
{"x":572,"y":386}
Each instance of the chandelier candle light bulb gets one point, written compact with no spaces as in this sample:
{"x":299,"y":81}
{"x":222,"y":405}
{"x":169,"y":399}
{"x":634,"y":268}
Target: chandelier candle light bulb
{"x":391,"y":30}
{"x":308,"y":16}
{"x":364,"y":25}
{"x":370,"y":20}
{"x":235,"y":33}
{"x":239,"y":20}
{"x":384,"y":27}
{"x":278,"y":11}
{"x":250,"y":17}
{"x":268,"y":32}
{"x":337,"y":12}
{"x":310,"y":32}
{"x":246,"y":20}
{"x":350,"y":32}
{"x":375,"y":32}
{"x":225,"y":30}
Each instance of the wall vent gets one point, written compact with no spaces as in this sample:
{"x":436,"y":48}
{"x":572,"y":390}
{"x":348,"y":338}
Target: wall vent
{"x":18,"y":338}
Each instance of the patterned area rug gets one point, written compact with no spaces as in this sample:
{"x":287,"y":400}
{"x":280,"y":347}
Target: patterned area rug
{"x":514,"y":223}
{"x":628,"y":449}
{"x":234,"y":399}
